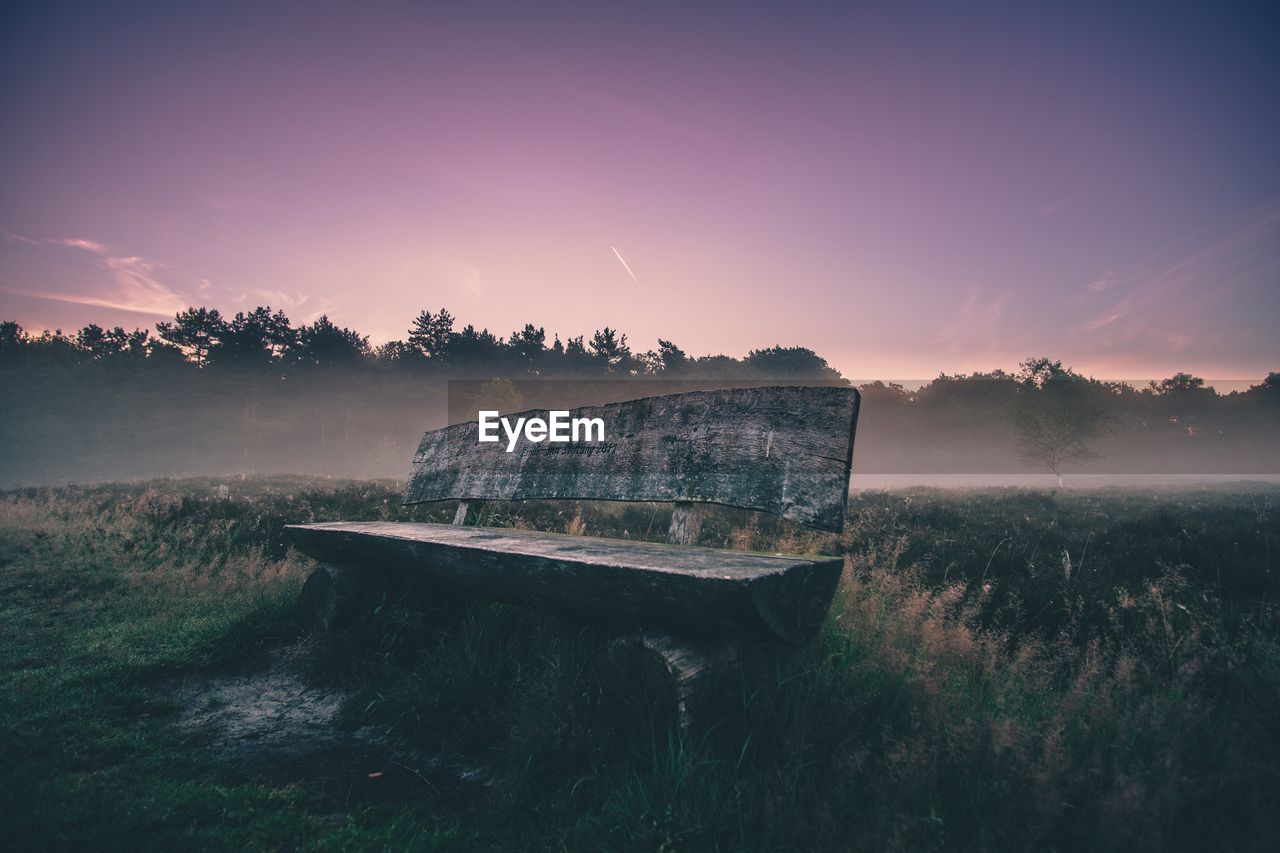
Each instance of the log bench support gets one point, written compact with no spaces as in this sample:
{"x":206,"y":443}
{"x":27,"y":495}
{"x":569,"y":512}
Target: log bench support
{"x":784,"y":450}
{"x":330,"y":597}
{"x":658,"y":679}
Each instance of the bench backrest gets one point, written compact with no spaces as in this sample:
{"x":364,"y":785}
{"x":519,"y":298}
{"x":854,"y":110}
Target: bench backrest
{"x":785,"y":450}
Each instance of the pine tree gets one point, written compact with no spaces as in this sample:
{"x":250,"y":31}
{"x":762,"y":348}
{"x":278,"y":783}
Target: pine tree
{"x":431,"y":334}
{"x":196,"y":332}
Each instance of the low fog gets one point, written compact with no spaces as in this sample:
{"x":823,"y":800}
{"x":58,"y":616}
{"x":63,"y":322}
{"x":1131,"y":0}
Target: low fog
{"x":97,"y":423}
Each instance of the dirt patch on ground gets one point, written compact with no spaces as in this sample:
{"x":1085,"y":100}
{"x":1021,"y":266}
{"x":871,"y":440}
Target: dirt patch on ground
{"x":279,"y":729}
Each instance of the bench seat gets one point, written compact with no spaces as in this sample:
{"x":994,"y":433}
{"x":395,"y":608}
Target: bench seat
{"x":783,"y":598}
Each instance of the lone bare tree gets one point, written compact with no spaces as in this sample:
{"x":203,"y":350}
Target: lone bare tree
{"x":1058,"y":415}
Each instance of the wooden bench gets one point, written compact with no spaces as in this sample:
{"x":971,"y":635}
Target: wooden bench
{"x":783,"y":450}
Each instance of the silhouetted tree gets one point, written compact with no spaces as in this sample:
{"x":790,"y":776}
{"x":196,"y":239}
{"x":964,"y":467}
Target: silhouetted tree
{"x":12,"y":334}
{"x":1265,"y":394}
{"x":790,"y":363}
{"x":256,"y":338}
{"x":100,"y":344}
{"x":671,"y":358}
{"x":474,"y":349}
{"x":884,"y":394}
{"x":1270,"y":385}
{"x":396,"y":352}
{"x":528,"y":345}
{"x":135,"y":344}
{"x":1178,"y":383}
{"x":51,"y":349}
{"x":430,"y":334}
{"x":325,"y":343}
{"x":13,"y":341}
{"x":1037,"y":371}
{"x":195,"y":331}
{"x":611,"y":351}
{"x":1058,"y":415}
{"x":716,"y":367}
{"x":973,"y":399}
{"x":94,"y":341}
{"x":161,"y":353}
{"x":576,"y":361}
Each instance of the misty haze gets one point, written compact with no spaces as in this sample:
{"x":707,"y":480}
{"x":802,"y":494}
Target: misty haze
{"x":932,"y":347}
{"x":255,"y":395}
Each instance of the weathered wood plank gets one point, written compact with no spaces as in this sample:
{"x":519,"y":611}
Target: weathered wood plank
{"x":686,"y":523}
{"x":783,"y":598}
{"x":467,"y":512}
{"x":784,"y":450}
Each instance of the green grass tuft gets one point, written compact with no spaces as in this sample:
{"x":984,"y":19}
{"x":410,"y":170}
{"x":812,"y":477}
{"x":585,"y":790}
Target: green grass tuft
{"x":1002,"y":669}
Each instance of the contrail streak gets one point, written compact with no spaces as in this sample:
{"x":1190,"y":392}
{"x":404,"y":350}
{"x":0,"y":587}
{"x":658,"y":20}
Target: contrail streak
{"x":624,"y":265}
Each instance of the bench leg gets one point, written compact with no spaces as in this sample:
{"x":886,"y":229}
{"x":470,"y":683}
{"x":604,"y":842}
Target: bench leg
{"x":334,"y":595}
{"x":657,"y":679}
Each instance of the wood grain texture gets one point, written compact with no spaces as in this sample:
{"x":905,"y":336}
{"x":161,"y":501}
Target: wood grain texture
{"x":784,"y":450}
{"x":782,"y":598}
{"x":467,"y":512}
{"x":686,"y":523}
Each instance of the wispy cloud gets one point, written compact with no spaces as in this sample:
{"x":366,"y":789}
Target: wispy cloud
{"x":79,"y":243}
{"x":139,"y":290}
{"x":134,"y":285}
{"x":976,"y":325}
{"x":298,"y":306}
{"x":274,"y":298}
{"x":1105,"y":319}
{"x":1110,"y":281}
{"x":1214,"y":267}
{"x":164,"y":308}
{"x":18,"y":238}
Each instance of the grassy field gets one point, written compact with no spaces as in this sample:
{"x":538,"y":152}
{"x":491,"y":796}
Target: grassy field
{"x":1002,"y":670}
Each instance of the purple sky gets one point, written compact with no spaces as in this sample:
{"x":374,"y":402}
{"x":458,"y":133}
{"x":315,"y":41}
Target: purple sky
{"x":905,"y":189}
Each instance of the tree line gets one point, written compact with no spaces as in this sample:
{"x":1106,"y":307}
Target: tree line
{"x":262,"y":338}
{"x":255,"y":393}
{"x":202,"y":337}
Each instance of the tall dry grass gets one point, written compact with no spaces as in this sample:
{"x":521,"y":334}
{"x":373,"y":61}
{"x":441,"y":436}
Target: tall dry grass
{"x":1001,"y":670}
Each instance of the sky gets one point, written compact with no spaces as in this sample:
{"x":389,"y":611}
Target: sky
{"x":907,"y":188}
